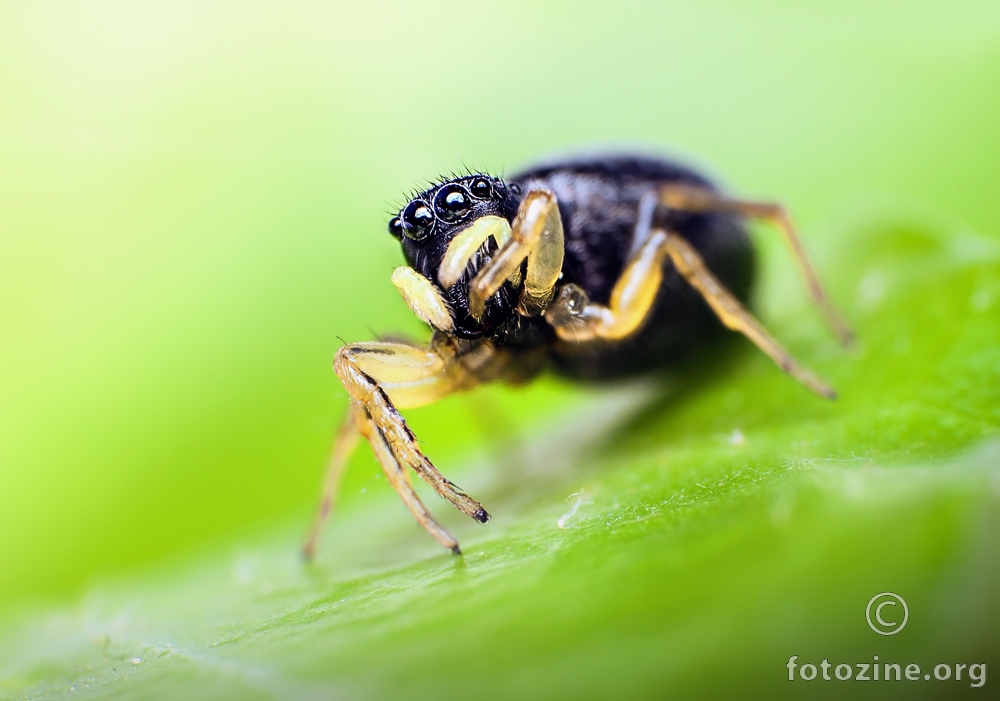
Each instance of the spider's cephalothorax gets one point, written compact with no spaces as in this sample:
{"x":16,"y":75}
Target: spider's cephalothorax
{"x":431,"y":220}
{"x":595,"y":267}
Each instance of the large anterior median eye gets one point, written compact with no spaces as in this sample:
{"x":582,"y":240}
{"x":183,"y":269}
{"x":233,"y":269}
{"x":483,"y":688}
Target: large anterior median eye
{"x":452,"y":202}
{"x":417,"y":219}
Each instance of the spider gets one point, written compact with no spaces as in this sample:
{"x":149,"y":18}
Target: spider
{"x":596,"y":267}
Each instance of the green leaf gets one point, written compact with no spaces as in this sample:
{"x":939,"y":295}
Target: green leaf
{"x":192,"y":201}
{"x":684,"y":539}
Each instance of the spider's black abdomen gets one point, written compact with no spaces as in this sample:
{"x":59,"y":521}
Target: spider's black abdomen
{"x":599,"y":204}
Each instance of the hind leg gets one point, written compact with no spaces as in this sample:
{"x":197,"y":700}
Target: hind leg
{"x":576,"y":319}
{"x":734,"y":315}
{"x":695,"y":199}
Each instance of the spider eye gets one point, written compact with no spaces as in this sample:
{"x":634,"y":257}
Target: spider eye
{"x":396,"y":227}
{"x":481,"y":188}
{"x":417,"y":219}
{"x":452,"y":202}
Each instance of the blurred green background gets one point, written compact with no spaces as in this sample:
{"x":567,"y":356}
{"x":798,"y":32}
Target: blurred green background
{"x":193,"y":200}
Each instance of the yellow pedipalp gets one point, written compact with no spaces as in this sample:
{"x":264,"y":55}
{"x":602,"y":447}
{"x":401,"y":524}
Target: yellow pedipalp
{"x":423,"y":298}
{"x":537,"y":226}
{"x":545,"y":260}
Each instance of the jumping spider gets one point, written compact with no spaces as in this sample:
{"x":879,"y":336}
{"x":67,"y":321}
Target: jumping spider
{"x":596,"y":267}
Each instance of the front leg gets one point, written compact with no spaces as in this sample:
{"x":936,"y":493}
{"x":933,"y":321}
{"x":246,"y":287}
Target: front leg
{"x":379,"y":377}
{"x":536,"y":236}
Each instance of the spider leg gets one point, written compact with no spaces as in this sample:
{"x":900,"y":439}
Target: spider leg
{"x":396,"y":475}
{"x":379,"y":377}
{"x":536,"y":236}
{"x":696,"y":199}
{"x":343,"y":446}
{"x":576,"y":319}
{"x":644,"y":222}
{"x":733,"y":314}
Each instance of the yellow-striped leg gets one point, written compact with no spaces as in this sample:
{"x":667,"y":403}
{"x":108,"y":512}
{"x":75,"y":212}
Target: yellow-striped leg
{"x":379,"y":377}
{"x":734,"y":315}
{"x":343,"y":446}
{"x":695,"y":199}
{"x":536,"y":236}
{"x":576,"y":319}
